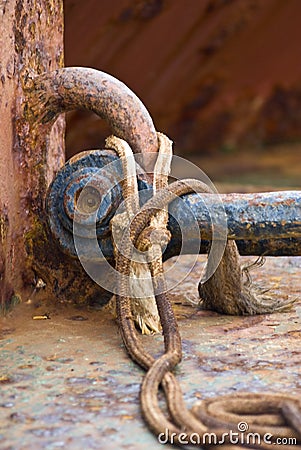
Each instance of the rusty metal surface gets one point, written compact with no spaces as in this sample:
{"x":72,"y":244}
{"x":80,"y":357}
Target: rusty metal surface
{"x":250,"y":216}
{"x":84,"y":88}
{"x":66,"y":381}
{"x":261,"y":223}
{"x":31,"y":38}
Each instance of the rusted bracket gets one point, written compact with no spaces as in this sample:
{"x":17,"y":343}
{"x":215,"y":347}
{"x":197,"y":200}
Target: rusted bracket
{"x":261,"y":224}
{"x":47,"y":96}
{"x":83,"y":88}
{"x":267,"y":223}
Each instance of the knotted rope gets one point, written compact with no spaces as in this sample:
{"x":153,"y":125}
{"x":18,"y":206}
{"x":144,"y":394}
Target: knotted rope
{"x":267,"y":415}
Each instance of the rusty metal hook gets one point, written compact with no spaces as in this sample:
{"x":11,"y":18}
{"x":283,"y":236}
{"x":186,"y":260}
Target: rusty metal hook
{"x":83,"y":88}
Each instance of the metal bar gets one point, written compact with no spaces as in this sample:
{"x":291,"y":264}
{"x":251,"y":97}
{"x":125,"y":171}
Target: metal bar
{"x":269,"y":215}
{"x":261,"y":224}
{"x":83,"y":88}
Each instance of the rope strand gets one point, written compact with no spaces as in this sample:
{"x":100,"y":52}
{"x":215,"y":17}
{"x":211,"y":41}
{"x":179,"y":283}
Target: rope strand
{"x":279,"y":415}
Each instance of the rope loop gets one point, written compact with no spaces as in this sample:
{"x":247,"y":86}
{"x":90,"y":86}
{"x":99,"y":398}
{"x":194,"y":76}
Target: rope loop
{"x":268,"y":417}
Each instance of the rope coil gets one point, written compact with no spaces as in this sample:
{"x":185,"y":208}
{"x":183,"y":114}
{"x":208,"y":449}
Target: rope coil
{"x":266,"y":414}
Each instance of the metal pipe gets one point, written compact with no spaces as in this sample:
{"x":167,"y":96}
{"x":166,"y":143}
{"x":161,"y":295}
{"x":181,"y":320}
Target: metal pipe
{"x":261,"y":223}
{"x":263,"y":215}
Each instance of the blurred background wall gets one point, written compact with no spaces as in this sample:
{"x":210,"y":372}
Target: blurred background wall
{"x":218,"y":76}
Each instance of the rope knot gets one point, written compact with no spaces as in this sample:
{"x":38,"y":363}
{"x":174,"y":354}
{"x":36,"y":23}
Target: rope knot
{"x":152,"y":235}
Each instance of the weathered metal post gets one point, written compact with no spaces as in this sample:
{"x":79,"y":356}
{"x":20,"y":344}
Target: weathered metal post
{"x":33,"y":98}
{"x":31,"y":38}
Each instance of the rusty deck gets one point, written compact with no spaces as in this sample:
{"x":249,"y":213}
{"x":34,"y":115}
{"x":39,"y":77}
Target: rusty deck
{"x":66,"y":382}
